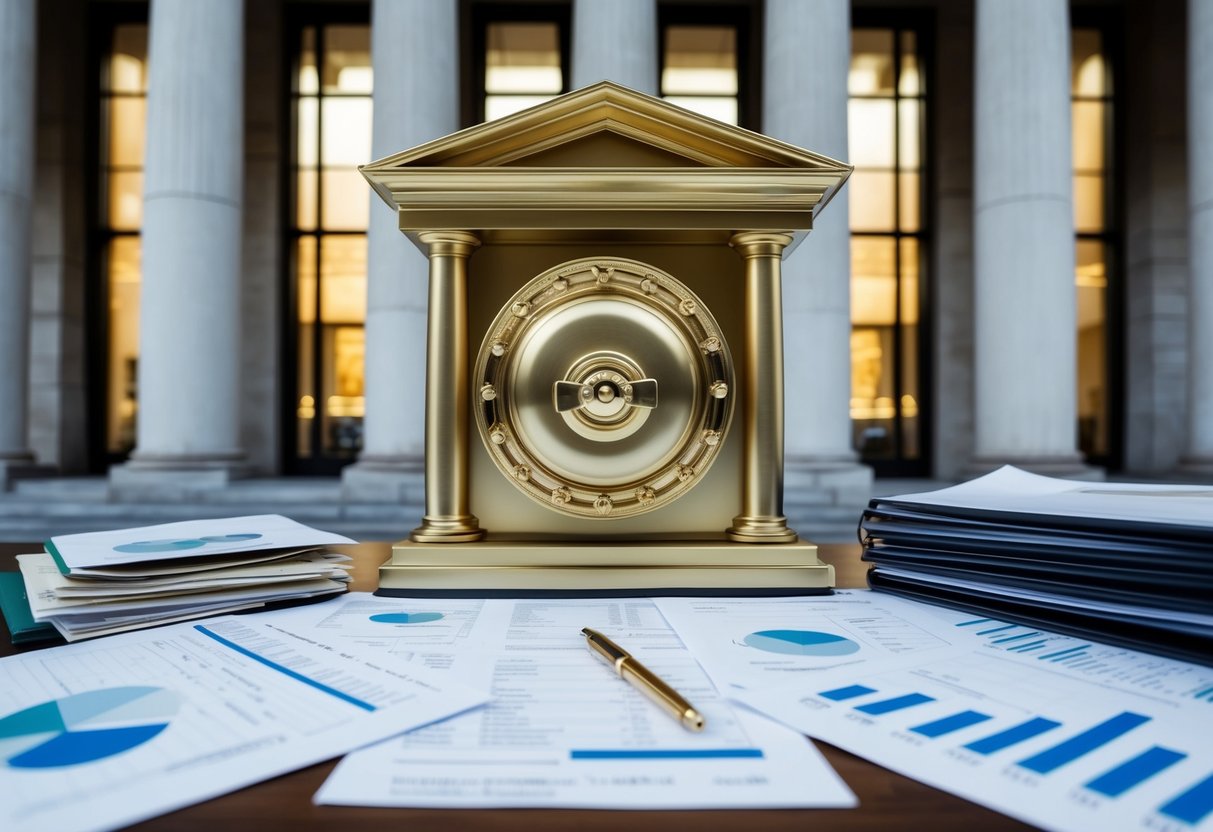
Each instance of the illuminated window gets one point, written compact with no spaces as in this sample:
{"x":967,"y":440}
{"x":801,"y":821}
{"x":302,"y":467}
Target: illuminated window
{"x":122,"y":122}
{"x":1091,"y":110}
{"x":699,"y":70}
{"x":522,"y":66}
{"x":519,"y":57}
{"x":332,"y":136}
{"x":886,"y":112}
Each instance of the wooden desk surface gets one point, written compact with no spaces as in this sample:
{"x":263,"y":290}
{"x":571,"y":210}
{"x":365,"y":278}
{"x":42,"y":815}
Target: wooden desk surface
{"x":886,"y":800}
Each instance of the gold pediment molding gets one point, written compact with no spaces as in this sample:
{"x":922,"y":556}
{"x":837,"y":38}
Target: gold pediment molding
{"x":698,"y":173}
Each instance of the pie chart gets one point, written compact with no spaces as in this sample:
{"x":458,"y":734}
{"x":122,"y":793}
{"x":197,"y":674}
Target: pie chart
{"x":406,"y":617}
{"x":801,"y":643}
{"x":84,"y":727}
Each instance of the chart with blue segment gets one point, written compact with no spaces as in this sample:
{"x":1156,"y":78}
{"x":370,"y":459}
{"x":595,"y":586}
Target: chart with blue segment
{"x":85,"y":727}
{"x":1060,"y":732}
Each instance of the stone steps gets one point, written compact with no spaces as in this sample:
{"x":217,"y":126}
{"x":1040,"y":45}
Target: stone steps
{"x":38,"y":509}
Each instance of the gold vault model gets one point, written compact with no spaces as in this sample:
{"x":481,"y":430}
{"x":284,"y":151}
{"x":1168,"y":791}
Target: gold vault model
{"x":604,"y":378}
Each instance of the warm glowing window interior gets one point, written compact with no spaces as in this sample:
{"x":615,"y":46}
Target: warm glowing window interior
{"x":1091,"y":110}
{"x":123,"y":100}
{"x":522,"y":66}
{"x":700,"y":70}
{"x":885,"y":113}
{"x":332,"y":136}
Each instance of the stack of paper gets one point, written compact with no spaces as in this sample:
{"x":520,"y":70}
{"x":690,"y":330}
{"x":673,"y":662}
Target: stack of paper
{"x":98,"y":583}
{"x":1123,"y":562}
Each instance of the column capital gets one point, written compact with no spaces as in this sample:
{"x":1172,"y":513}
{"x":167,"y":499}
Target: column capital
{"x":761,"y":243}
{"x":449,"y":243}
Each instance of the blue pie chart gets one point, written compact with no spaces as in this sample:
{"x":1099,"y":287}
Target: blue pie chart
{"x":801,"y":643}
{"x":85,"y":727}
{"x":406,"y":617}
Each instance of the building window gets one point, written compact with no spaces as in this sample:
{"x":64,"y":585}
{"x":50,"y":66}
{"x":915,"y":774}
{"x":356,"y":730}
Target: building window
{"x":520,"y":57}
{"x":122,"y":119}
{"x":522,"y":66}
{"x":331,"y":121}
{"x":886,"y":118}
{"x":705,"y":56}
{"x":699,"y":69}
{"x":1092,"y":111}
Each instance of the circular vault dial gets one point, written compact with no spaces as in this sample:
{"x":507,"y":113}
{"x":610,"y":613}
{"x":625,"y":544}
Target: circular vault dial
{"x":605,"y":388}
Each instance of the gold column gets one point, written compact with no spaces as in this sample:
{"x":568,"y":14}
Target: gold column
{"x":762,"y":520}
{"x":447,"y":516}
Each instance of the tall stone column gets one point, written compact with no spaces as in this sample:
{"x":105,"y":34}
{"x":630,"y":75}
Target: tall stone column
{"x":807,"y":54}
{"x":416,"y":99}
{"x":17,"y":76}
{"x":1024,"y":297}
{"x":1198,"y":456}
{"x":188,"y":434}
{"x":615,"y":41}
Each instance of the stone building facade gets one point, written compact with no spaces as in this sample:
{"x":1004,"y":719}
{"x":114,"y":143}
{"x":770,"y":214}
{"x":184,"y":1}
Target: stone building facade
{"x":1020,"y":270}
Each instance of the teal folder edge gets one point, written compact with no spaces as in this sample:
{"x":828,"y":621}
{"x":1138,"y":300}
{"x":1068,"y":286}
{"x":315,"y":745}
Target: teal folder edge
{"x":58,"y":558}
{"x":15,"y":606}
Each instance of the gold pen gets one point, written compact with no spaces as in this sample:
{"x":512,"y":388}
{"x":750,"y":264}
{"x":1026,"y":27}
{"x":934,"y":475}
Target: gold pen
{"x":644,"y":679}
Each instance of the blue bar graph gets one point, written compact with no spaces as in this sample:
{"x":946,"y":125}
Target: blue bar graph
{"x":974,"y":621}
{"x":1003,"y":739}
{"x":1207,"y":693}
{"x":950,"y":723}
{"x":1128,"y":774}
{"x":996,"y":629}
{"x":895,"y":704}
{"x":1008,"y":639}
{"x":1193,"y":805}
{"x":1025,"y":648}
{"x":1065,"y":752}
{"x":1060,"y":653}
{"x":849,"y":692}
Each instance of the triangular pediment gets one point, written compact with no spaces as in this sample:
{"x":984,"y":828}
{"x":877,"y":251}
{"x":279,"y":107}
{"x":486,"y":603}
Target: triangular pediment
{"x":606,"y":157}
{"x":607,"y":108}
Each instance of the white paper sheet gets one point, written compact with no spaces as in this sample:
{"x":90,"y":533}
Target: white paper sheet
{"x":562,"y":730}
{"x":1060,"y":732}
{"x":1010,"y":489}
{"x":101,"y":735}
{"x":757,"y":642}
{"x":189,"y":539}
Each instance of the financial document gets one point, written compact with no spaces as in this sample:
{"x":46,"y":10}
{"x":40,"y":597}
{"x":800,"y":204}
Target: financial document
{"x":759,"y":642}
{"x":1060,"y":732}
{"x":100,"y":735}
{"x":562,"y":729}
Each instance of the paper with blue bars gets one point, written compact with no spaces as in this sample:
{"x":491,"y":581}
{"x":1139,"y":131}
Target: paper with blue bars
{"x":1060,"y":732}
{"x":562,"y":729}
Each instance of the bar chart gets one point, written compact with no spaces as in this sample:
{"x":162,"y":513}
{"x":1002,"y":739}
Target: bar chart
{"x":1056,"y":731}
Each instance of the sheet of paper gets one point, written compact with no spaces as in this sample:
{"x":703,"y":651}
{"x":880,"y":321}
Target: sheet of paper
{"x":758,"y":642}
{"x":1060,"y":732}
{"x":98,"y":736}
{"x":189,"y":539}
{"x":562,"y":730}
{"x":316,"y":564}
{"x":41,"y":578}
{"x":1010,"y":489}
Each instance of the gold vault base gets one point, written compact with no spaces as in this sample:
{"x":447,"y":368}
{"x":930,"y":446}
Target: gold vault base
{"x":502,"y":567}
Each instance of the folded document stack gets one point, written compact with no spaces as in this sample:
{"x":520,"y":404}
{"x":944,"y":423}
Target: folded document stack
{"x":93,"y":584}
{"x":1124,"y":563}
